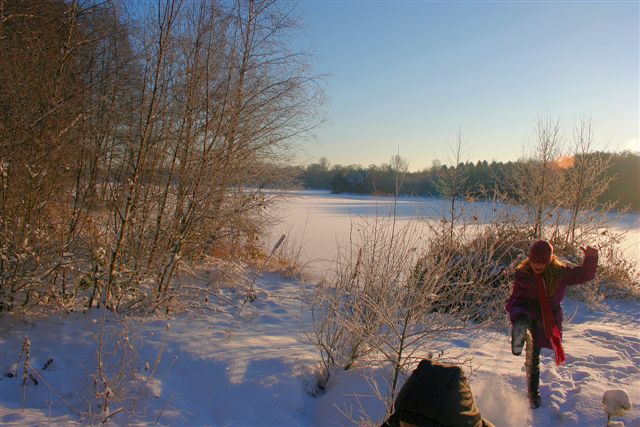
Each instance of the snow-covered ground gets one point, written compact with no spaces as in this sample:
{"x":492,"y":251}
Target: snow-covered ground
{"x":255,"y":369}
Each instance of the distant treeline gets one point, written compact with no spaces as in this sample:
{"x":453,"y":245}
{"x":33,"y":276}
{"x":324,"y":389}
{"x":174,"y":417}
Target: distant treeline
{"x":482,"y":179}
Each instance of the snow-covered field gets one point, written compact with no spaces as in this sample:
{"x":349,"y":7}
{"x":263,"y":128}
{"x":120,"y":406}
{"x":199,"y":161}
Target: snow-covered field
{"x":255,"y":368}
{"x":317,"y":221}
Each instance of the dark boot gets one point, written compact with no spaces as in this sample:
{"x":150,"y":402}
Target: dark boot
{"x":533,"y":373}
{"x":518,"y":334}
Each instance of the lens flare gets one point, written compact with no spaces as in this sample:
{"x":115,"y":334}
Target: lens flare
{"x":564,"y":162}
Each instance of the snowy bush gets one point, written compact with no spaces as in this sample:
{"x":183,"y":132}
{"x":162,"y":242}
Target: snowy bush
{"x":478,"y":261}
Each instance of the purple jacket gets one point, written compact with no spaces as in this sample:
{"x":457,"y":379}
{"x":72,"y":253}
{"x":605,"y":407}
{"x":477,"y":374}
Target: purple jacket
{"x":524,"y":296}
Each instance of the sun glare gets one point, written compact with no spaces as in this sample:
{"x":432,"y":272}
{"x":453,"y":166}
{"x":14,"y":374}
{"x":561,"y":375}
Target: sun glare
{"x":565,"y":162}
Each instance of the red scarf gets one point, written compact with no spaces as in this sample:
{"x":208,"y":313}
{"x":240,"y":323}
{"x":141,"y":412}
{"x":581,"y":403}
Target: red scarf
{"x":549,"y":322}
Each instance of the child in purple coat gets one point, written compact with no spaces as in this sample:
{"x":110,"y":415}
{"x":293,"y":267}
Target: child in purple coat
{"x":539,"y":286}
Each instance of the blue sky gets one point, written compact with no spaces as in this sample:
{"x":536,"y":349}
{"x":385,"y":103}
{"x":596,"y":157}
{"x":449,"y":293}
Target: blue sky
{"x":409,"y":75}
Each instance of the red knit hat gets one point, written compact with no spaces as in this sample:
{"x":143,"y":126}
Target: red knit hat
{"x":541,"y":252}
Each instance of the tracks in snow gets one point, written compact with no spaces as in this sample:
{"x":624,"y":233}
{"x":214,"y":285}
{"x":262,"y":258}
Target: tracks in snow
{"x":617,"y":364}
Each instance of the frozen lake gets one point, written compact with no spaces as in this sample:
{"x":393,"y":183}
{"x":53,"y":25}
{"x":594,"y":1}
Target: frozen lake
{"x":316,"y":222}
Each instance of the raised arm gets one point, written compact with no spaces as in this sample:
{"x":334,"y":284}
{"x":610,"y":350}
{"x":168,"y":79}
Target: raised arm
{"x":585,"y":272}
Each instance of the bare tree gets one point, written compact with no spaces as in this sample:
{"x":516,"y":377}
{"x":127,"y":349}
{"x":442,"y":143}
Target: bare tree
{"x":536,"y":183}
{"x":585,"y":177}
{"x":452,"y":181}
{"x":128,"y":145}
{"x":45,"y":60}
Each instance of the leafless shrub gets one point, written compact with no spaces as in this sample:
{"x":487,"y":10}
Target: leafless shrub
{"x":115,"y":367}
{"x":389,"y":295}
{"x":347,"y":307}
{"x":453,"y":182}
{"x":537,"y":182}
{"x":121,"y":382}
